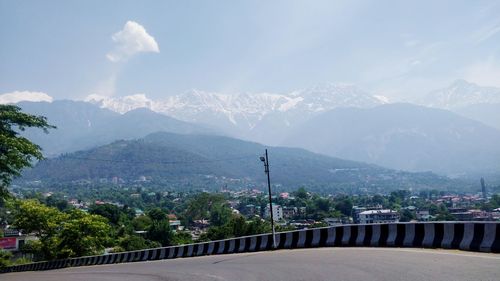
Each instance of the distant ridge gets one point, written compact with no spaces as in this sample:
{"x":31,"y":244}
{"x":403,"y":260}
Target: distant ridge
{"x":204,"y":161}
{"x":81,"y":125}
{"x":403,"y":136}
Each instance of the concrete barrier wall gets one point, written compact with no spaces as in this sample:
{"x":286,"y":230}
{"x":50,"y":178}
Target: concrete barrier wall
{"x":468,"y":236}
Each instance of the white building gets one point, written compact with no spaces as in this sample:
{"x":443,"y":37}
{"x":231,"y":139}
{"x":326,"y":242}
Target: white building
{"x":378,"y":216}
{"x":277,"y":212}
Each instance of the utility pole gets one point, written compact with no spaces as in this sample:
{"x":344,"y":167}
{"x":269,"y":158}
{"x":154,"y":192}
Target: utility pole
{"x":266,"y":170}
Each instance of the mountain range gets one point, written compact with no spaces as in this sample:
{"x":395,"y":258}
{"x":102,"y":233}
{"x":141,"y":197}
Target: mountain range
{"x":81,"y":125}
{"x":403,"y":136}
{"x":461,"y":94}
{"x":469,"y":100}
{"x":336,"y":120}
{"x":194,"y":161}
{"x":261,"y":117}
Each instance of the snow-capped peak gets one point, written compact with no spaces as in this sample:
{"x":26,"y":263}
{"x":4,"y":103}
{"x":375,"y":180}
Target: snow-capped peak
{"x":461,"y":94}
{"x":244,"y":109}
{"x":94,"y":98}
{"x":121,"y":104}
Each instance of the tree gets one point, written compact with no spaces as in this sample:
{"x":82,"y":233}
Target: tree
{"x":220,"y":215}
{"x":17,"y":152}
{"x":33,"y":217}
{"x":61,"y":234}
{"x":135,"y":242}
{"x":378,"y":199}
{"x":160,"y":231}
{"x":45,"y":222}
{"x":141,"y":222}
{"x":200,"y":206}
{"x":83,"y":234}
{"x":114,"y":214}
{"x":58,"y":202}
{"x":181,"y":238}
{"x":495,"y":201}
{"x":407,"y":215}
{"x":257,"y":226}
{"x":344,"y":206}
{"x":301,"y":193}
{"x":156,"y":214}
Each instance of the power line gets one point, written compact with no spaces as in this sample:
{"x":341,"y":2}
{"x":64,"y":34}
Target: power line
{"x":158,"y":162}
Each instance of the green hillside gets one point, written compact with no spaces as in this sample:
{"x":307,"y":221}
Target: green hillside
{"x":203,"y":161}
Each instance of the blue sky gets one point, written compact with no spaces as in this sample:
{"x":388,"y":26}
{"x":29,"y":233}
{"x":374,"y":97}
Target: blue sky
{"x":401,"y":49}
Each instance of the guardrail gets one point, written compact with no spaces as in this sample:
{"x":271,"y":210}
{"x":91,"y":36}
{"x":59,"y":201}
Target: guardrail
{"x":468,"y":236}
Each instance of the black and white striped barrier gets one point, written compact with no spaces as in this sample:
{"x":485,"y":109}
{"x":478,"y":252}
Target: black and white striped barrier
{"x":468,"y":236}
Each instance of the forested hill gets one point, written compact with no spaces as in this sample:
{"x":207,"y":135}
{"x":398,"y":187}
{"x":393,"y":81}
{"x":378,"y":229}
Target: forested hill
{"x":204,"y":161}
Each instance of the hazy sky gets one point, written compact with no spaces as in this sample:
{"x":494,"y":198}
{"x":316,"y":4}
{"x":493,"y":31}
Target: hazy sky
{"x":70,"y":49}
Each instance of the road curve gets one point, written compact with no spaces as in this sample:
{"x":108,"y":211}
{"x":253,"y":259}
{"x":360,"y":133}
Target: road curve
{"x":304,"y":264}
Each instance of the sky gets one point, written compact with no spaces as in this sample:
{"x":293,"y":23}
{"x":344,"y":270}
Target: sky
{"x":400,"y":49}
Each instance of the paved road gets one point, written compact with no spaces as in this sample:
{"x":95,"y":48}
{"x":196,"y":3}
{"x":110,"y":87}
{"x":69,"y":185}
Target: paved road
{"x":304,"y":264}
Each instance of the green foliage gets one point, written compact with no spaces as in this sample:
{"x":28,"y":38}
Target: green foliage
{"x":136,"y":242}
{"x":322,"y":204}
{"x":220,"y":215}
{"x":45,"y":222}
{"x":301,"y":193}
{"x":159,"y":229}
{"x":379,"y":200}
{"x":33,"y":217}
{"x":71,"y":234}
{"x":157,"y":215}
{"x":160,"y":232}
{"x":141,"y":223}
{"x":5,"y":258}
{"x":397,"y":197}
{"x":181,"y":238}
{"x":257,"y":226}
{"x":495,"y":201}
{"x":406,"y":216}
{"x":132,"y":159}
{"x":237,"y":226}
{"x":344,"y":205}
{"x":21,"y":260}
{"x":17,"y":152}
{"x":57,"y":201}
{"x":114,"y":214}
{"x":199,"y":206}
{"x":83,"y":234}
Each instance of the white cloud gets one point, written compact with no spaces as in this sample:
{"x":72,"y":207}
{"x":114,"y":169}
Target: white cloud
{"x":18,"y":96}
{"x":132,"y":39}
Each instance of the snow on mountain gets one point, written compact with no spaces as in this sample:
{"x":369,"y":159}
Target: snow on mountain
{"x":121,"y":104}
{"x":263,"y":117}
{"x":461,"y":94}
{"x":329,"y":96}
{"x":243,"y":109}
{"x":194,"y":106}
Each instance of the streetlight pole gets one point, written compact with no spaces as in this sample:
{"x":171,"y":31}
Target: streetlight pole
{"x":266,"y":170}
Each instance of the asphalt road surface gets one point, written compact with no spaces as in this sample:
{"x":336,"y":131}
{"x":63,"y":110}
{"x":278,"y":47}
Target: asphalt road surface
{"x":304,"y":264}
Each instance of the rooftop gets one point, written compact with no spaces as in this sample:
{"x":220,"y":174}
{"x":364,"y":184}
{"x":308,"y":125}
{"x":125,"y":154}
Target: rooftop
{"x":371,"y":212}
